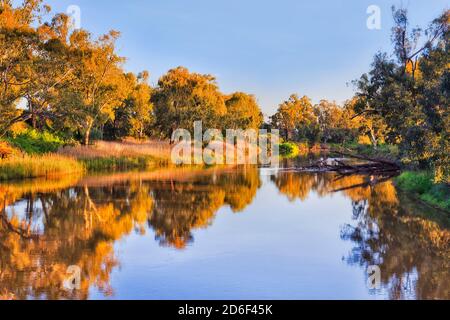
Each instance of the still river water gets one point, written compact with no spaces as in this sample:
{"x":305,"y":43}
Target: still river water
{"x":235,"y":233}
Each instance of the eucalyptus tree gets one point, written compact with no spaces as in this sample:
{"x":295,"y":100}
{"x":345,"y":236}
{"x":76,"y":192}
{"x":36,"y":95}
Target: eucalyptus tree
{"x":182,"y":98}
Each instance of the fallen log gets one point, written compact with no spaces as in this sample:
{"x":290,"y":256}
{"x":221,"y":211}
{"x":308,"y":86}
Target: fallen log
{"x":372,"y":167}
{"x":360,"y":157}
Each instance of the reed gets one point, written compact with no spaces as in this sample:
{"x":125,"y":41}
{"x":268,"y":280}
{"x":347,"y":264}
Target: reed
{"x":127,"y":149}
{"x":38,"y":166}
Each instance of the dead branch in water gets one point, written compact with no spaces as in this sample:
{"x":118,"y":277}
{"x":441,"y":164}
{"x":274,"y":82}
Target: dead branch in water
{"x":344,"y":169}
{"x":360,"y":157}
{"x":372,"y":166}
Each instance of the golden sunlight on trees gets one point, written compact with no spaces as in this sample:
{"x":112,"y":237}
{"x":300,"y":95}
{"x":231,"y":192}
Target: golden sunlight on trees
{"x":410,"y":94}
{"x":183,"y":98}
{"x":73,"y":85}
{"x":243,"y":112}
{"x":99,"y":84}
{"x":296,"y":118}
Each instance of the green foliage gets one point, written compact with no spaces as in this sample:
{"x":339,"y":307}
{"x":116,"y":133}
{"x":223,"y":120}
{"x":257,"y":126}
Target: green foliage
{"x":421,"y":183}
{"x":411,"y":94}
{"x":438,"y":195}
{"x":133,"y":117}
{"x":35,"y":142}
{"x":289,"y":149}
{"x":418,"y":182}
{"x":387,"y":151}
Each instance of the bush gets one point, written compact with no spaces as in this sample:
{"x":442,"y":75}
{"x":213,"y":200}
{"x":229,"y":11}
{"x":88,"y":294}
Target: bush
{"x":364,"y":140}
{"x":418,"y":182}
{"x":438,"y":195}
{"x":289,"y":149}
{"x":35,"y":142}
{"x":421,"y":183}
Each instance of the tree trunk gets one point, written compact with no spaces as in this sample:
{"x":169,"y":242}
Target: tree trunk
{"x":33,"y":120}
{"x":32,"y":111}
{"x":87,"y":135}
{"x":374,"y":139}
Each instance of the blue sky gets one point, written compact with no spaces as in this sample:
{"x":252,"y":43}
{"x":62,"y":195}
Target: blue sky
{"x":268,"y":48}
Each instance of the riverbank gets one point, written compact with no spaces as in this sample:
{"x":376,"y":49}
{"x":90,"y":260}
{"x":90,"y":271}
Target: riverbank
{"x":39,"y":166}
{"x":132,"y":155}
{"x":100,"y":157}
{"x":421,"y":185}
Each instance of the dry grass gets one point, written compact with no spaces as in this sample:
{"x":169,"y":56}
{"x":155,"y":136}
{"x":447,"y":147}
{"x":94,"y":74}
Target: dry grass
{"x":156,"y":149}
{"x":5,"y":150}
{"x":38,"y":166}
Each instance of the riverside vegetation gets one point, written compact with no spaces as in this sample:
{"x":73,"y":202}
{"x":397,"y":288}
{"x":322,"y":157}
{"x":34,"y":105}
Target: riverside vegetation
{"x":61,"y":90}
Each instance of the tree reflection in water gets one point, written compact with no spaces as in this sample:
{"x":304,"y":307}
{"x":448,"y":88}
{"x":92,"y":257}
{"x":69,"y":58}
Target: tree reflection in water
{"x":181,"y":207}
{"x":408,"y":241}
{"x":46,"y":226}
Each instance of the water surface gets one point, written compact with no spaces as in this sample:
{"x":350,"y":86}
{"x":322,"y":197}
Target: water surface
{"x":233,"y":233}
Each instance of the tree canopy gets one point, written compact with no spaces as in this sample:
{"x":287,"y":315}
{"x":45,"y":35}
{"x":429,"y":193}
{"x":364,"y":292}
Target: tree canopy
{"x":63,"y":80}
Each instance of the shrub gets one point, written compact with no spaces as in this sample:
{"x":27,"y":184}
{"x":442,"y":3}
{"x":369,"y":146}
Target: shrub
{"x":35,"y":142}
{"x":438,"y":195}
{"x":289,"y":149}
{"x":418,"y":182}
{"x":421,"y":183}
{"x":364,"y":140}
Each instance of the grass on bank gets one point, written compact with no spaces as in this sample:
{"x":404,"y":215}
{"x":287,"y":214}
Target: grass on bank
{"x":422,"y":185}
{"x":119,"y":156}
{"x":23,"y":158}
{"x":117,"y":163}
{"x":129,"y":149}
{"x":38,"y":166}
{"x":52,"y":166}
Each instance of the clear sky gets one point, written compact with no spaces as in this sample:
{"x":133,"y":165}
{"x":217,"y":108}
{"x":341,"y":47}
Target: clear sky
{"x":268,"y":48}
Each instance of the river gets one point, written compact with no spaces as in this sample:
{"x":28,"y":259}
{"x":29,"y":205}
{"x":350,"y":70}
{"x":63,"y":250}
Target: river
{"x":220,"y":233}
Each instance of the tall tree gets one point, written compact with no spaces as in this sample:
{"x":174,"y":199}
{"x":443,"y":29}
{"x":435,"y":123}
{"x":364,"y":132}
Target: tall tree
{"x":409,"y":94}
{"x":295,"y":117}
{"x":183,"y":97}
{"x":134,"y":116}
{"x":19,"y":47}
{"x":243,"y":112}
{"x":98,"y":84}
